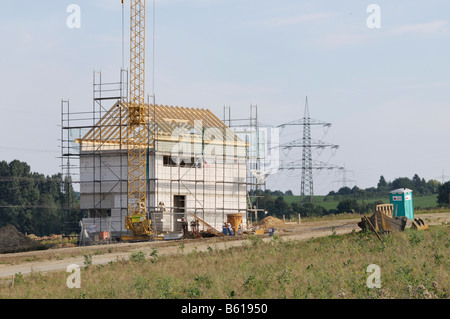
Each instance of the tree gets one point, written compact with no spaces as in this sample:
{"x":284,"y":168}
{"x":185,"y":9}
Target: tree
{"x":372,"y":192}
{"x":420,"y":185}
{"x":345,"y":190}
{"x":348,"y":206}
{"x":416,"y":180}
{"x":402,"y":182}
{"x":289,"y":193}
{"x":311,"y":210}
{"x":433,"y":186}
{"x":443,"y":194}
{"x":281,"y":207}
{"x":355,"y":189}
{"x":382,"y":185}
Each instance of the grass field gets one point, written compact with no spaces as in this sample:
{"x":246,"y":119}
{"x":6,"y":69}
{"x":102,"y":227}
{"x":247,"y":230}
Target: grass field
{"x":420,"y":202}
{"x":412,"y":264}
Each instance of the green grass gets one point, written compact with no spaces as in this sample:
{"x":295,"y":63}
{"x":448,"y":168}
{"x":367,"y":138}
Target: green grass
{"x":425,"y":202}
{"x":413,"y":264}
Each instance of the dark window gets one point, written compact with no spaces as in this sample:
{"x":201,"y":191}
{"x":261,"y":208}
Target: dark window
{"x":194,"y":163}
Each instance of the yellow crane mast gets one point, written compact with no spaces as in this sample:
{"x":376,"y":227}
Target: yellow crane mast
{"x":136,"y":219}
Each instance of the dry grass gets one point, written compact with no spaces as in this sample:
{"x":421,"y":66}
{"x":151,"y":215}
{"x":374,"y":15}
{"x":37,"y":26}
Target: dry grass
{"x":414,"y":264}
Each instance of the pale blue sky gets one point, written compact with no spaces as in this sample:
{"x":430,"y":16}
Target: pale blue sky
{"x":386,"y":91}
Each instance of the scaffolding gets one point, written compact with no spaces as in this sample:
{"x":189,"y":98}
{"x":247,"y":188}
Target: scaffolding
{"x":249,"y":130}
{"x":196,"y":164}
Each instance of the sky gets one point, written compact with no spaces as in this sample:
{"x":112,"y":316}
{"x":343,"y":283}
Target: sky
{"x":384,"y":87}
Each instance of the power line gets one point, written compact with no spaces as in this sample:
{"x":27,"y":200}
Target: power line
{"x":442,"y":177}
{"x":316,"y":165}
{"x":307,"y":144}
{"x":344,"y":179}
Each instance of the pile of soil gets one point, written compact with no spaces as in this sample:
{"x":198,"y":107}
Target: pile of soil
{"x":12,"y":241}
{"x":270,"y":221}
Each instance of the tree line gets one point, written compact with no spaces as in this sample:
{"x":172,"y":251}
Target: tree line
{"x":351,"y":199}
{"x":33,"y":202}
{"x":279,"y":207}
{"x":418,"y":185}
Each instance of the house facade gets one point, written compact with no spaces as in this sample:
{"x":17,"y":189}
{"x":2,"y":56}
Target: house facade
{"x":194,"y":163}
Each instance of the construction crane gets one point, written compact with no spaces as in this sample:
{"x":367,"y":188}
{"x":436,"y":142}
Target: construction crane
{"x":136,"y":220}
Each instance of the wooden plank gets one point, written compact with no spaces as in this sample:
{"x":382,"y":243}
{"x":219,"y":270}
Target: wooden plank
{"x":91,"y":132}
{"x":208,"y":225}
{"x":373,"y":228}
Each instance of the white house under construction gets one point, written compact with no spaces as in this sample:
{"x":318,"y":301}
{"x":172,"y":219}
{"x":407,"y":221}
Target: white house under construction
{"x":196,"y":165}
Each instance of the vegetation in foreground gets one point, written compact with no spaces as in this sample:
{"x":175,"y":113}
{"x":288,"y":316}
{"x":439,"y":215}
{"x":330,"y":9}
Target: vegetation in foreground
{"x":413,"y":264}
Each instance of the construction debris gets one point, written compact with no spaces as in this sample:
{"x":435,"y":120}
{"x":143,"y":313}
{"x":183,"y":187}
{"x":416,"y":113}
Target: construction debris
{"x":383,"y":221}
{"x":419,"y":224}
{"x":12,"y":241}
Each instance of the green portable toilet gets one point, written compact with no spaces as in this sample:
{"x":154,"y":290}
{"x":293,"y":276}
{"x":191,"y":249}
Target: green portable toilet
{"x":403,"y":202}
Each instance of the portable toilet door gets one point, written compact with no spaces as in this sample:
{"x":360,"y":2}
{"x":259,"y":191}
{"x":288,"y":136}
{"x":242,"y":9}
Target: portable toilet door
{"x":403,"y":202}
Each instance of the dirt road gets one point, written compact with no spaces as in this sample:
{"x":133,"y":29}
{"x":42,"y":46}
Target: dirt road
{"x":58,"y":259}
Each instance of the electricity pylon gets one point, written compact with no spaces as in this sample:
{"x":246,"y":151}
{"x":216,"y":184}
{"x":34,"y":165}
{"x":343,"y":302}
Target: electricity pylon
{"x":307,"y":143}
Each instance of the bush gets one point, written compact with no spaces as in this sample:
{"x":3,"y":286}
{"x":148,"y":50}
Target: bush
{"x":348,"y":206}
{"x":87,"y":260}
{"x":137,"y":256}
